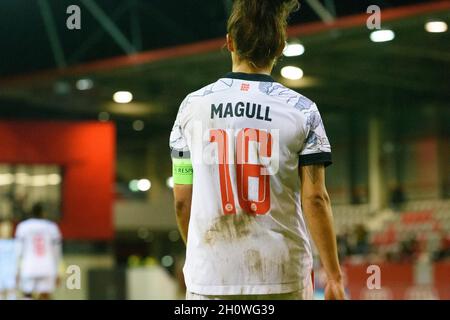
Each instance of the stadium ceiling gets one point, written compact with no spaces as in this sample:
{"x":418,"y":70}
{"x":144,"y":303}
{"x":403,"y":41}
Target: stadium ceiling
{"x":160,"y":51}
{"x":35,"y":36}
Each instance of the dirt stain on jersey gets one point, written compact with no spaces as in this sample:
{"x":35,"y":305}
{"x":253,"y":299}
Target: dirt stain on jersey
{"x":229,"y":228}
{"x":255,"y":263}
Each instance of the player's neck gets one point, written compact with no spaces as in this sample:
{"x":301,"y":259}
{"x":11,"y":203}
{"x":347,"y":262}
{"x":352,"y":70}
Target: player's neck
{"x":246,"y":67}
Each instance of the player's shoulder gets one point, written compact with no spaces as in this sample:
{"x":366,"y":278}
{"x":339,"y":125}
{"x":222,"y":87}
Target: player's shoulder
{"x":24,"y":223}
{"x":287,"y":95}
{"x":219,"y":86}
{"x":34,"y":222}
{"x":23,"y":226}
{"x":205,"y":93}
{"x":50,"y":224}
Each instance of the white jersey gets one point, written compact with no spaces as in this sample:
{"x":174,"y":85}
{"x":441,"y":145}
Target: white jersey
{"x":39,"y":248}
{"x":8,"y":268}
{"x":246,"y":136}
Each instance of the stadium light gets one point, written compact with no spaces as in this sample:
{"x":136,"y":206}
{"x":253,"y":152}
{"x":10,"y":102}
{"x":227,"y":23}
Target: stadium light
{"x":167,"y":261}
{"x":53,"y":179}
{"x":382,"y":35}
{"x":84,"y":84}
{"x":293,"y":50}
{"x":133,"y":186}
{"x":103,"y":116}
{"x":138,"y":125}
{"x":40,"y":180}
{"x":292,"y":73}
{"x":436,"y":26}
{"x":22,"y":178}
{"x":144,"y":185}
{"x":174,"y":236}
{"x":169,"y":182}
{"x":6,"y":179}
{"x":123,"y":97}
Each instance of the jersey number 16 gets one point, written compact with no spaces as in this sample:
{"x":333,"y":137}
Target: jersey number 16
{"x":253,"y":187}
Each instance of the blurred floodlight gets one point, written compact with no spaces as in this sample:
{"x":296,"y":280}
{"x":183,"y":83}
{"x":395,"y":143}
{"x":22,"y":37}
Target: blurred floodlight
{"x":103,"y":116}
{"x":61,"y":87}
{"x":292,"y":73}
{"x":436,"y":26}
{"x":144,"y":185}
{"x":169,"y":182}
{"x":84,"y":84}
{"x":382,"y":35}
{"x":21,"y":178}
{"x":133,"y":185}
{"x":143,"y":233}
{"x":174,"y":236}
{"x":39,"y":180}
{"x":6,"y":179}
{"x":123,"y":97}
{"x":138,"y":125}
{"x":167,"y":261}
{"x":53,"y":179}
{"x":293,"y":50}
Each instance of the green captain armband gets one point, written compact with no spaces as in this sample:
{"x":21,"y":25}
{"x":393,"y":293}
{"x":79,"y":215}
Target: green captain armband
{"x":182,"y":171}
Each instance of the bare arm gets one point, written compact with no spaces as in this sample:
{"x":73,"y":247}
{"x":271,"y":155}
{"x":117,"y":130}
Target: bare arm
{"x":319,"y":218}
{"x":183,"y":198}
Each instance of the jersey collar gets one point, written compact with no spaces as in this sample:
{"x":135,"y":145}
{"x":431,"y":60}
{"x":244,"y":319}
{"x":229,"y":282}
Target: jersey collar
{"x":249,"y":76}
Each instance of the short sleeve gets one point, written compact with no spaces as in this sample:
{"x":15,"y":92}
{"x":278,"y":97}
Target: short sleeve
{"x":178,"y":143}
{"x":56,"y":234}
{"x":316,"y":147}
{"x":19,"y":232}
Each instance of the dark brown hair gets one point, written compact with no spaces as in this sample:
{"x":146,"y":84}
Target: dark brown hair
{"x":37,"y":211}
{"x":258,"y":29}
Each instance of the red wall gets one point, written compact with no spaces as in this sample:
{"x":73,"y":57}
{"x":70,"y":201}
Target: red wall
{"x":441,"y":274}
{"x":86,"y":151}
{"x":394,"y":277}
{"x":397,"y":282}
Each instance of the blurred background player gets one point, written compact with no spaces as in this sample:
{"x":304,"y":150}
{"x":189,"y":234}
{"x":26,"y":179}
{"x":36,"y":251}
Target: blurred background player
{"x":243,"y":220}
{"x":39,"y":254}
{"x":8,"y":263}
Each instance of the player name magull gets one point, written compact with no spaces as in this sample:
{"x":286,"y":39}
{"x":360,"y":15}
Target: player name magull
{"x":240,"y":109}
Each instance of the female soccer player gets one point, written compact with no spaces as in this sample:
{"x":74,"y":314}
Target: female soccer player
{"x":39,"y":254}
{"x":249,"y":157}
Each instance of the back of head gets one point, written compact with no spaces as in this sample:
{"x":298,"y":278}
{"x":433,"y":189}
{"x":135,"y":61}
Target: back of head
{"x":37,"y":211}
{"x":258,"y":29}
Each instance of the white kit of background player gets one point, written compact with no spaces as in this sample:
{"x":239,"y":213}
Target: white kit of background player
{"x":247,"y":235}
{"x":8,"y":266}
{"x":39,"y":252}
